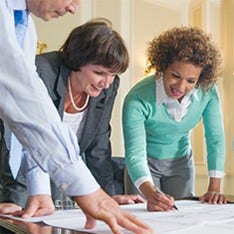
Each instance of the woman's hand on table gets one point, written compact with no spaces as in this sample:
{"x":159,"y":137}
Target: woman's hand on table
{"x":213,"y":197}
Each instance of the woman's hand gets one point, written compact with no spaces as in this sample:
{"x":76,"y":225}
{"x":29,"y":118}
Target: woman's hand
{"x":213,"y":197}
{"x":156,"y":201}
{"x":128,"y":199}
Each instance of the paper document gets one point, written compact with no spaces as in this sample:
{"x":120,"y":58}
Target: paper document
{"x":190,"y":218}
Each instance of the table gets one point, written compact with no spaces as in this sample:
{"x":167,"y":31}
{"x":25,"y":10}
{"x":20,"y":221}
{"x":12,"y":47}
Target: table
{"x":192,"y":217}
{"x":11,"y":226}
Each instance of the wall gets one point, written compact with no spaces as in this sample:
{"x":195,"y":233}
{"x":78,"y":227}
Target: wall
{"x":227,"y":40}
{"x":54,"y":32}
{"x":130,"y":18}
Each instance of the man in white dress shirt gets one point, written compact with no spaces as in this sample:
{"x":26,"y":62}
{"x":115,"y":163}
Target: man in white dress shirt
{"x":26,"y":109}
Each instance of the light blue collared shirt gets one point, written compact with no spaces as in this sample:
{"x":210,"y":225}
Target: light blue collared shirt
{"x":27,"y":109}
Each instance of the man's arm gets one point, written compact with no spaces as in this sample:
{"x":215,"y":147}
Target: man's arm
{"x":28,"y":110}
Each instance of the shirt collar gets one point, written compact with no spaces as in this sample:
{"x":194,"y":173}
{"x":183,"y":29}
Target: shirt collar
{"x":16,"y":4}
{"x":162,"y":97}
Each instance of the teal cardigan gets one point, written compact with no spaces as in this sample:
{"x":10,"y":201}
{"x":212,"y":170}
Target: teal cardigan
{"x":149,"y":131}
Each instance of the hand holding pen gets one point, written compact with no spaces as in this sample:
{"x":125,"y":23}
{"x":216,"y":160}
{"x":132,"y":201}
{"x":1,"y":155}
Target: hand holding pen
{"x":162,"y":193}
{"x":156,"y":199}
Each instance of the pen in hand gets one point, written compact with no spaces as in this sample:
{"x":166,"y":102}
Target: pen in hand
{"x":162,"y":193}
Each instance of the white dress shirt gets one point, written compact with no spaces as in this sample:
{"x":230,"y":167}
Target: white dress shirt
{"x":177,"y":110}
{"x":27,"y":109}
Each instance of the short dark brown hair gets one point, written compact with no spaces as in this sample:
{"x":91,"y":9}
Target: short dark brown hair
{"x":95,"y":42}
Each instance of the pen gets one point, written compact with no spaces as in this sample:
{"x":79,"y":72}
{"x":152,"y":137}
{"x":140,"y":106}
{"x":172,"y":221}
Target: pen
{"x":162,"y":193}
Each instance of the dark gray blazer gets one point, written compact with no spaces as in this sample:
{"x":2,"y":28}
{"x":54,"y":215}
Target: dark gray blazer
{"x":95,"y":140}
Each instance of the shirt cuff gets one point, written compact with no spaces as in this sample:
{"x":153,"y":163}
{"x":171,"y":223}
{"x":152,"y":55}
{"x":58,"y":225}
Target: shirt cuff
{"x":38,"y":181}
{"x":216,"y":174}
{"x":70,"y":181}
{"x":142,"y":180}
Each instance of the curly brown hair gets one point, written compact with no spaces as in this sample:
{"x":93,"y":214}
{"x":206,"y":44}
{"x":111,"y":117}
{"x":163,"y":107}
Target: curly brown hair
{"x":186,"y":44}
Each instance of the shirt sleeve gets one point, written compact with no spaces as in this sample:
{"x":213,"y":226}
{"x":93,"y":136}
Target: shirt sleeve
{"x":39,"y":182}
{"x":135,"y":139}
{"x":216,"y":174}
{"x":214,"y":134}
{"x":28,"y":110}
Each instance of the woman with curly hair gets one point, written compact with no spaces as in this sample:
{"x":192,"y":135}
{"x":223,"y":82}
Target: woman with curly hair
{"x":160,"y":112}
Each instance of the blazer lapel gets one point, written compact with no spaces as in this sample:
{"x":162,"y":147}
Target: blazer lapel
{"x":95,"y":109}
{"x":61,"y":88}
{"x":93,"y":118}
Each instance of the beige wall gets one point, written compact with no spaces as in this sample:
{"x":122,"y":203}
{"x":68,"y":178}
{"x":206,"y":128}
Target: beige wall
{"x":139,"y":21}
{"x":54,"y":32}
{"x":228,"y":85}
{"x":148,"y":20}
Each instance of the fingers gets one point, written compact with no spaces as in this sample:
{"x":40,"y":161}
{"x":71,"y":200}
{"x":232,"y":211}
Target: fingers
{"x":134,"y":224}
{"x":157,"y":206}
{"x":138,"y":199}
{"x":213,"y":197}
{"x":29,"y":212}
{"x":128,"y":199}
{"x":34,"y":211}
{"x":37,"y":205}
{"x":99,"y":205}
{"x":123,"y":199}
{"x":126,"y":220}
{"x":159,"y":202}
{"x":90,"y":222}
{"x":43,"y":211}
{"x":112,"y":222}
{"x":9,"y":208}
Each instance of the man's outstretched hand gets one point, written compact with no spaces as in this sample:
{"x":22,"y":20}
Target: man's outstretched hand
{"x":100,"y":206}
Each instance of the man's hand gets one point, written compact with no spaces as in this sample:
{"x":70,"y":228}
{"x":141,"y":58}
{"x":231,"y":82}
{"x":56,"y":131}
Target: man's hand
{"x":37,"y":205}
{"x":100,"y":206}
{"x":9,"y":208}
{"x":128,"y":199}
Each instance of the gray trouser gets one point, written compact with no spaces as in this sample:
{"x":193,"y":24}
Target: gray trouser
{"x":174,"y":176}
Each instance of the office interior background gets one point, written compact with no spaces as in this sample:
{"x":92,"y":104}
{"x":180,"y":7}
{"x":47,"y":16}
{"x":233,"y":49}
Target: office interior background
{"x":138,"y":21}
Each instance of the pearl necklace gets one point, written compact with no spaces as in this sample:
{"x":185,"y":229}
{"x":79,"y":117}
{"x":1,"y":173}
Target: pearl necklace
{"x":72,"y":100}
